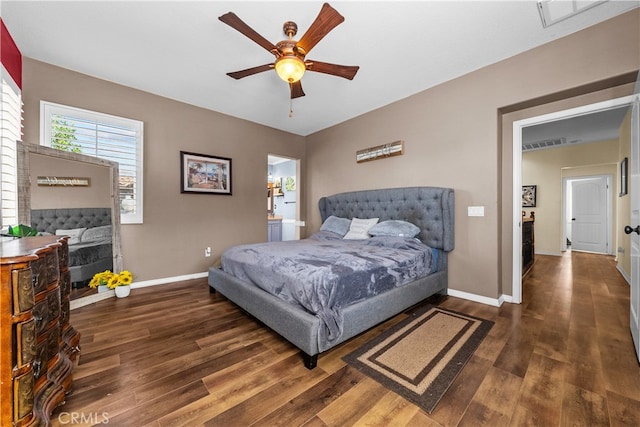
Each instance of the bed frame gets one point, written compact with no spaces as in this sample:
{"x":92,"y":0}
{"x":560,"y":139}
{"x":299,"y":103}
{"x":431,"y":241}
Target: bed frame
{"x":430,"y":208}
{"x":49,"y":220}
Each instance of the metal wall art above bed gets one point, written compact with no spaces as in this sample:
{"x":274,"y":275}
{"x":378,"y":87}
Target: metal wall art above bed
{"x":380,"y":152}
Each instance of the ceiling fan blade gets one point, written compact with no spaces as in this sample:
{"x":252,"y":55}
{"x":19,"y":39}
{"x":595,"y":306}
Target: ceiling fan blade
{"x":250,"y":71}
{"x":327,"y":20}
{"x":296,"y":89}
{"x":345,"y":71}
{"x":232,"y":20}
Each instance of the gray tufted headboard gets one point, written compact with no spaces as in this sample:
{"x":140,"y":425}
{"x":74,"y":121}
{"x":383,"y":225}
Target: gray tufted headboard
{"x":49,"y":220}
{"x":430,"y":208}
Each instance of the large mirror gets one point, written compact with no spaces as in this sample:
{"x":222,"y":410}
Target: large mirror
{"x":96,"y":186}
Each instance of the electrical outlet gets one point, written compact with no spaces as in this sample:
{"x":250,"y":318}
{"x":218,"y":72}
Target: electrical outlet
{"x":207,"y":251}
{"x":475,"y":211}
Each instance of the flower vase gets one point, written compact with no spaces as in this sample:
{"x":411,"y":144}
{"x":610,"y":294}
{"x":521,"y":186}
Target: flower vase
{"x":102,"y":288}
{"x":122,"y":291}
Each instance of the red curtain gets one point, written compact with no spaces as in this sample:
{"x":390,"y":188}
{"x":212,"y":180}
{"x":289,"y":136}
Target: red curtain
{"x":10,"y":55}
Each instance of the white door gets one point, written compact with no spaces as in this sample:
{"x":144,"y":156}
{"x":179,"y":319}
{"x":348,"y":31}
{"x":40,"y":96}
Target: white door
{"x":589,"y":223}
{"x":634,"y":190}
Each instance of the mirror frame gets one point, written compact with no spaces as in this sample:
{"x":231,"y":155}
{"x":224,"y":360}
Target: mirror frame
{"x":23,"y":153}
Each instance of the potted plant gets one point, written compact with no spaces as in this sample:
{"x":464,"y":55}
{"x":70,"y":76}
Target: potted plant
{"x":118,"y":281}
{"x":21,"y":230}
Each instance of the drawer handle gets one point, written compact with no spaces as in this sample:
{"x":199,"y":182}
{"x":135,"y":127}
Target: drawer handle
{"x":37,"y":365}
{"x":34,"y":279}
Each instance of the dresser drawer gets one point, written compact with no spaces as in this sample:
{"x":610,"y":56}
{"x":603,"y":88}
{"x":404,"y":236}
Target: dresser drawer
{"x":25,"y":341}
{"x":47,"y":348}
{"x":23,"y":396}
{"x":47,"y":310}
{"x":65,"y":312}
{"x":63,"y":255}
{"x":65,"y":282}
{"x":45,"y":271}
{"x":22,"y":282}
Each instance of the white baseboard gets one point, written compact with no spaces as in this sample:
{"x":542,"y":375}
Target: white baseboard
{"x":495,"y":302}
{"x":90,"y":299}
{"x":549,"y":253}
{"x":165,"y":280}
{"x":624,"y":274}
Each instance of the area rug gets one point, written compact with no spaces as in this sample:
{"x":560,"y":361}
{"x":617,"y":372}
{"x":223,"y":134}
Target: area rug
{"x":421,"y":356}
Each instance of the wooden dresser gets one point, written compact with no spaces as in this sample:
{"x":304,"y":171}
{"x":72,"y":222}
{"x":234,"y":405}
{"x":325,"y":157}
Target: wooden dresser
{"x":38,"y":345}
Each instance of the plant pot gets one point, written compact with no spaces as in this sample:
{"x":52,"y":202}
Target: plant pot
{"x":122,"y":291}
{"x":102,"y":288}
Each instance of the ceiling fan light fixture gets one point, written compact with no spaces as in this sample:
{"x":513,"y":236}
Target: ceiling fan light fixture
{"x":290,"y":68}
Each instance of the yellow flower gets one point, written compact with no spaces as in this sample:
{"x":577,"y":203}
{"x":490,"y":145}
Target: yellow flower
{"x":112,"y":280}
{"x":101,"y":278}
{"x":126,"y":277}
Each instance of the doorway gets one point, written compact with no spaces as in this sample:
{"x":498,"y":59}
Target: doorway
{"x":588,"y":214}
{"x":284,"y":184}
{"x":518,"y":127}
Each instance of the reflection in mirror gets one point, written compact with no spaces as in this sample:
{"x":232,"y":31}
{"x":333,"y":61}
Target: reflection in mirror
{"x":68,"y":193}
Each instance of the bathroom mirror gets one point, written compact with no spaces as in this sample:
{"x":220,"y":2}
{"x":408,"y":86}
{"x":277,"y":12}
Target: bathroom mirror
{"x":31,"y":159}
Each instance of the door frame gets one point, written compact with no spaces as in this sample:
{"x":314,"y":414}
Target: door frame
{"x":518,"y":126}
{"x":298,"y":220}
{"x":609,"y":210}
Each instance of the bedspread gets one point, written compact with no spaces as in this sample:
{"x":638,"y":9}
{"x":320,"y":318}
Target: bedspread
{"x":325,"y":273}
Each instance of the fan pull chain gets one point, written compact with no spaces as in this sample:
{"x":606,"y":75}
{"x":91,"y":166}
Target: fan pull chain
{"x":290,"y":108}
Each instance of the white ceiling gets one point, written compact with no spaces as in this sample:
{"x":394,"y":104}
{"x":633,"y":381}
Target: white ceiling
{"x":181,"y":50}
{"x":593,"y":127}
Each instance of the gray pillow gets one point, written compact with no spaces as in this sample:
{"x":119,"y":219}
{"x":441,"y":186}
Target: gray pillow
{"x":96,"y":233}
{"x":336,"y":225}
{"x":395,"y":227}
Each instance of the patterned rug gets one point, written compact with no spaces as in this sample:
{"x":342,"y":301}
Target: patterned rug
{"x":421,"y":356}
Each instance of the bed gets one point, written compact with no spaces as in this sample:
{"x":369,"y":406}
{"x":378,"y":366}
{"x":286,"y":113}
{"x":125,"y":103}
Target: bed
{"x":90,"y":238}
{"x":307,"y":320}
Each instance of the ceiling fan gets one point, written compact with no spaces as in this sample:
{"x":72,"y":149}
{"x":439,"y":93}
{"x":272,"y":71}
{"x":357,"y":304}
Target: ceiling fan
{"x":290,"y":63}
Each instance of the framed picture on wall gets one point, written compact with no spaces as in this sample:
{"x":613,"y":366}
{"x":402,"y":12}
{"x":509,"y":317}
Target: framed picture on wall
{"x":529,"y":196}
{"x":200,"y":173}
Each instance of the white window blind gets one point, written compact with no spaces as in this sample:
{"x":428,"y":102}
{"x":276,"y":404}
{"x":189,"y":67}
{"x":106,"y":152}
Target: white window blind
{"x":10,"y":133}
{"x":101,"y":135}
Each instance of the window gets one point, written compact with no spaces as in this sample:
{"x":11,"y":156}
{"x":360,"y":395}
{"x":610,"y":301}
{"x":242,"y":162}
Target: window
{"x":101,"y":135}
{"x":10,"y":132}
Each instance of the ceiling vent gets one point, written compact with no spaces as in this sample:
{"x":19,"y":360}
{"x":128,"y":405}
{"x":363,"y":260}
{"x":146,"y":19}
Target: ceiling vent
{"x":552,"y":11}
{"x":547,"y":143}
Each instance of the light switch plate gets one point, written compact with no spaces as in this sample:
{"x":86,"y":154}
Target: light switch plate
{"x":475,"y":211}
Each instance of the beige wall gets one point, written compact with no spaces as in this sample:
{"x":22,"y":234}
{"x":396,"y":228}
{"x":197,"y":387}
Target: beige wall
{"x":453,"y":138}
{"x":97,"y":195}
{"x":177,"y":227}
{"x":548,"y":168}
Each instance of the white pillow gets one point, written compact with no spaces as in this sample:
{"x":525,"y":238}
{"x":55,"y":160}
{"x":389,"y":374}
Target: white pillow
{"x":359,"y":228}
{"x":102,"y":232}
{"x":75,"y":234}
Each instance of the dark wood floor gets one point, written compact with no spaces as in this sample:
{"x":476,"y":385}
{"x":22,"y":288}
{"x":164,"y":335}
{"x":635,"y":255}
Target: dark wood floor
{"x":177,"y":356}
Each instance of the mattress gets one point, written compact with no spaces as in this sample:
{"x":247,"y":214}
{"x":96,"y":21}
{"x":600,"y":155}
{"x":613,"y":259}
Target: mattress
{"x":89,"y":252}
{"x":325,"y":273}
